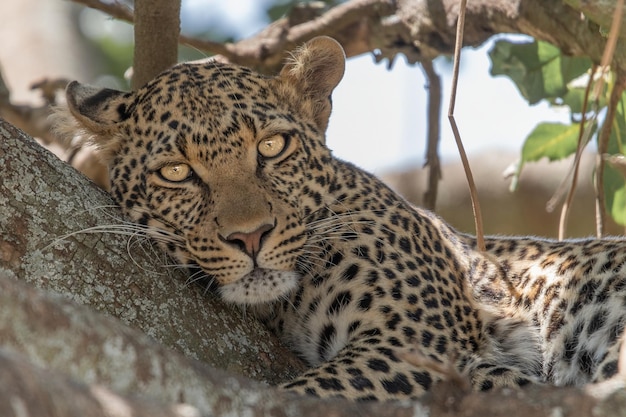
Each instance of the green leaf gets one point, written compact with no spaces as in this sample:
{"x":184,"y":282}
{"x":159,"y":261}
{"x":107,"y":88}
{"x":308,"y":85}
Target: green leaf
{"x":551,"y":140}
{"x":574,"y":99}
{"x":618,"y":129}
{"x":548,"y":140}
{"x":538,"y":69}
{"x":615,"y":194}
{"x":614,"y":177}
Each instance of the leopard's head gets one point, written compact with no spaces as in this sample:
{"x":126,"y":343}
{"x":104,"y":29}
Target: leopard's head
{"x":221,"y":164}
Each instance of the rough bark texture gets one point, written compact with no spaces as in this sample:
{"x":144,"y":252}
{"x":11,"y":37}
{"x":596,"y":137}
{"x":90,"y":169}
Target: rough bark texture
{"x":418,"y":29}
{"x":157,"y":26}
{"x":45,"y":205}
{"x":53,"y":332}
{"x":600,"y":12}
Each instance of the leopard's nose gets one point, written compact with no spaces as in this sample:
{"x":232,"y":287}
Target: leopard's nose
{"x":250,"y":242}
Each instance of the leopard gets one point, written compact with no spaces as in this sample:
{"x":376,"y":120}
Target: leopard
{"x":228,"y":171}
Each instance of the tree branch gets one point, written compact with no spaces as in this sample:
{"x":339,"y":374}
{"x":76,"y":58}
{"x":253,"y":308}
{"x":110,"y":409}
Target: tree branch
{"x":28,"y":390}
{"x":62,"y":234}
{"x":419,"y":29}
{"x":432,"y":147}
{"x":32,"y":119}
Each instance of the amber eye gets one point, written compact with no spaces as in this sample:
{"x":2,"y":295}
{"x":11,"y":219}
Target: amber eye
{"x":272,"y":146}
{"x":175,"y":172}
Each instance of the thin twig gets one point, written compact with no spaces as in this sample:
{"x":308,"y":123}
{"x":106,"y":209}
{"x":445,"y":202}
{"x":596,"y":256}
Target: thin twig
{"x":582,"y":142}
{"x":34,"y":120}
{"x":478,"y":220}
{"x":605,"y":133}
{"x":432,"y":148}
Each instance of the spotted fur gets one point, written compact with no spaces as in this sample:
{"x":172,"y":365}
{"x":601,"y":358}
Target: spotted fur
{"x":231,"y":166}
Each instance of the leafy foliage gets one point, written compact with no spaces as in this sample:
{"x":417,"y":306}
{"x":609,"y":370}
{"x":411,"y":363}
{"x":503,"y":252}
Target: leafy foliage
{"x":538,"y":69}
{"x":541,"y":72}
{"x":552,"y":140}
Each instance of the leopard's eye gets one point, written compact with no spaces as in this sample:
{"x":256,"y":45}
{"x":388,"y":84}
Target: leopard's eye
{"x":272,"y":146}
{"x":175,"y":172}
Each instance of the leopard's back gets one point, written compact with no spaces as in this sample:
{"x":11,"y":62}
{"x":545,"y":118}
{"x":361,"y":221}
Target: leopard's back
{"x":572,"y":292}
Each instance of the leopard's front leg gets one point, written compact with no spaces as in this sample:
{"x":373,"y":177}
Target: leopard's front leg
{"x":365,"y":370}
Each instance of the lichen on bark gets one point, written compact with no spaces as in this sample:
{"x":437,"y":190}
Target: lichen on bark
{"x":47,"y":210}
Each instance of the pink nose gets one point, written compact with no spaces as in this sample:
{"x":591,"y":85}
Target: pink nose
{"x":250,"y":242}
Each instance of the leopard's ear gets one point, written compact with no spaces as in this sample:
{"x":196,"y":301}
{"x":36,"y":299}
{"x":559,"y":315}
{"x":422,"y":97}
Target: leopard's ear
{"x":315,"y":69}
{"x":97,"y":114}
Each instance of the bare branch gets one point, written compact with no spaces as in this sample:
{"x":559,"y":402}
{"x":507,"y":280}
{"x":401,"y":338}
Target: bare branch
{"x":32,"y":119}
{"x":114,"y":9}
{"x":605,"y":132}
{"x":32,"y":391}
{"x":265,"y":51}
{"x":603,"y":144}
{"x":432,"y":147}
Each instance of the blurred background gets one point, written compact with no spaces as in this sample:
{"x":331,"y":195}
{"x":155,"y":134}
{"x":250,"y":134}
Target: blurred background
{"x":379,"y":116}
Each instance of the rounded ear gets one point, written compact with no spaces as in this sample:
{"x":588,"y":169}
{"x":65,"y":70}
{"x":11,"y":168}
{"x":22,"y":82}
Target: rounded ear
{"x":98,"y":110}
{"x":93,"y":115}
{"x":315,"y":69}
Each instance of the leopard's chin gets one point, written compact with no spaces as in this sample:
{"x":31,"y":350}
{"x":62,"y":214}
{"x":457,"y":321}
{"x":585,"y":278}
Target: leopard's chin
{"x":260,"y":286}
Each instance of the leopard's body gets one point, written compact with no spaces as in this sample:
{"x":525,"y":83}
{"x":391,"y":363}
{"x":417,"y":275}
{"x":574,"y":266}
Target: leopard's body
{"x":229,"y":170}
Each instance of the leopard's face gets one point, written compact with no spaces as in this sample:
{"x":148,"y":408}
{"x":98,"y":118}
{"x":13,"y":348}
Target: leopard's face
{"x":221,"y":164}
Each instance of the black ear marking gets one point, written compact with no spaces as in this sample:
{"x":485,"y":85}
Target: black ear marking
{"x":95,"y":115}
{"x":97,"y":109}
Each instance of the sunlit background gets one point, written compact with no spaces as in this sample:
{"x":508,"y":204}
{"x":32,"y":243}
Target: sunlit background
{"x":379,"y":117}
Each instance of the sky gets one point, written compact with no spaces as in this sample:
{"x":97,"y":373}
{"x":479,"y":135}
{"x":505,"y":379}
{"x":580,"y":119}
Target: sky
{"x":385,"y":111}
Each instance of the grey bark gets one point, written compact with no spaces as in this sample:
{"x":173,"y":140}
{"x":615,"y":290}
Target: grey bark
{"x":47,"y":209}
